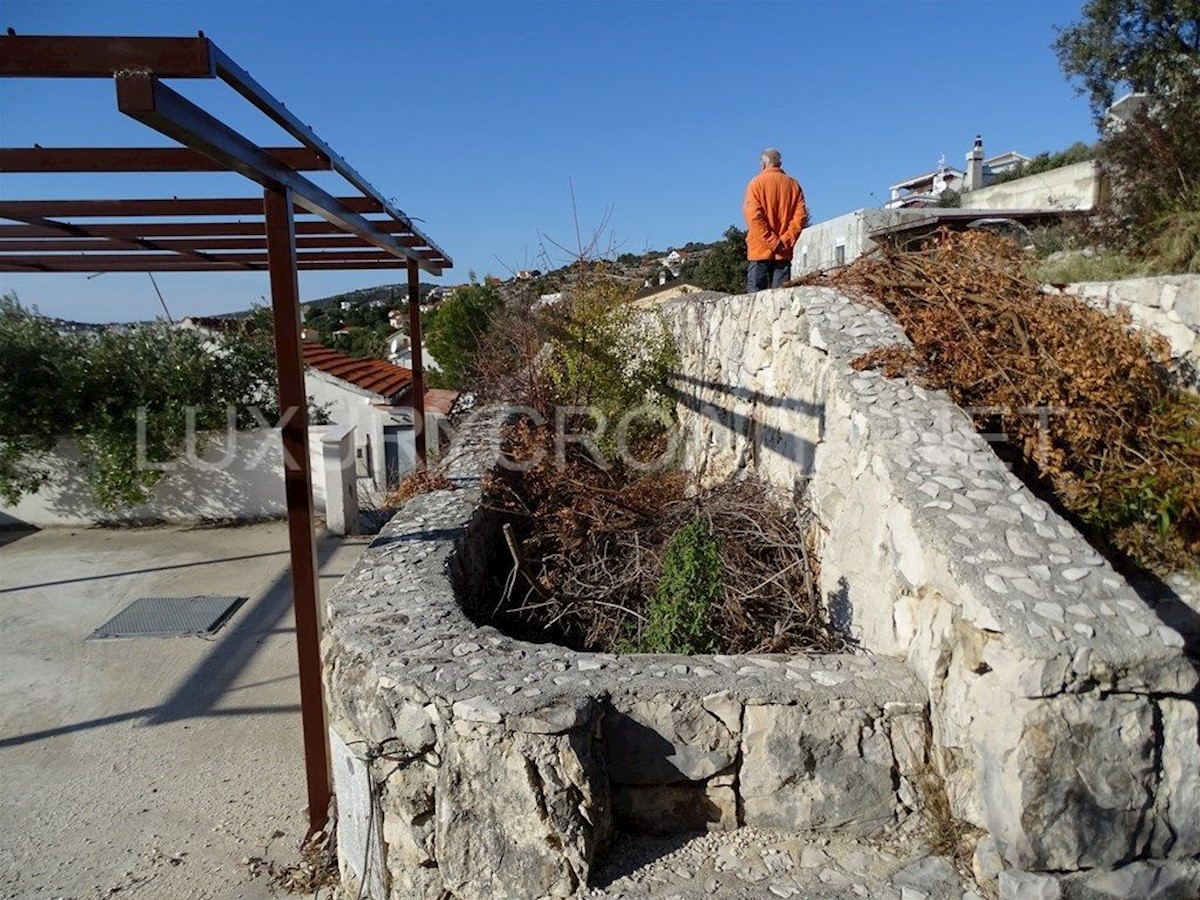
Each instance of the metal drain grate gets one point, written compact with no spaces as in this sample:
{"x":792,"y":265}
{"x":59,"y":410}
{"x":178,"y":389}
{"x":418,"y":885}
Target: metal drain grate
{"x":169,"y":617}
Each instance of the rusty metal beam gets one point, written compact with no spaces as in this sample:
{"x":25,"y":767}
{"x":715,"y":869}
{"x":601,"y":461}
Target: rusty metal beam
{"x":197,"y":229}
{"x":186,"y":206}
{"x":98,"y":264}
{"x":149,"y":101}
{"x":418,"y":364}
{"x":141,"y":159}
{"x":104,"y":243}
{"x":293,"y":403}
{"x":82,"y":232}
{"x":102,"y":57}
{"x":367,"y":256}
{"x":242,"y":82}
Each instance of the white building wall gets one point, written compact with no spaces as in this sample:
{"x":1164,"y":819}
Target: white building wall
{"x":1076,"y":186}
{"x":238,"y":480}
{"x":348,"y":405}
{"x":818,"y":245}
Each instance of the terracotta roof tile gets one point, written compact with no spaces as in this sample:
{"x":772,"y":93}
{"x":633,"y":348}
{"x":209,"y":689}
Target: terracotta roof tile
{"x":440,"y":400}
{"x":374,"y":375}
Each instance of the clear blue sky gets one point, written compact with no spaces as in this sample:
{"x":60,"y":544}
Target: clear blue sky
{"x":474,"y":115}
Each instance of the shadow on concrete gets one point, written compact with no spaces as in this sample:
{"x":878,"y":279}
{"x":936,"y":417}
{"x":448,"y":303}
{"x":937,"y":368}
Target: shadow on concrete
{"x":10,"y":534}
{"x":197,"y":696}
{"x":127,"y":572}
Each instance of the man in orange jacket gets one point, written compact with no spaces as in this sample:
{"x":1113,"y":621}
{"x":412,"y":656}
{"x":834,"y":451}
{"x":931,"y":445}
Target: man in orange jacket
{"x":775,"y":214}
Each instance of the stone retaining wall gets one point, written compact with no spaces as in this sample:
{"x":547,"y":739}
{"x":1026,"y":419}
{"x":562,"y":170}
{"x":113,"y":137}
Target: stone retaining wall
{"x":1063,"y":711}
{"x":1000,"y":649}
{"x":1166,"y":304}
{"x":492,"y":767}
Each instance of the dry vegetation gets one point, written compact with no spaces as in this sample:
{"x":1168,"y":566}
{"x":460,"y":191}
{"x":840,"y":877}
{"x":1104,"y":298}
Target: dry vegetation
{"x":1120,"y":446}
{"x":613,"y":556}
{"x":593,"y":547}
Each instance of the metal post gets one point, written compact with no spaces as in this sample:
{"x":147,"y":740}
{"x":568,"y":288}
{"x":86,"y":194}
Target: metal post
{"x":418,"y":364}
{"x":293,"y":404}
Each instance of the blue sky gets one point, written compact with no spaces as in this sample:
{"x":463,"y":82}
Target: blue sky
{"x":476,"y":116}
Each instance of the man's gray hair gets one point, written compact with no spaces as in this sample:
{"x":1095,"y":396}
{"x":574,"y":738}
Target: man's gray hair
{"x":771,"y":157}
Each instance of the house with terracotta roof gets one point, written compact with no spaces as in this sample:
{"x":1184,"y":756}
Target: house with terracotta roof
{"x":375,"y":397}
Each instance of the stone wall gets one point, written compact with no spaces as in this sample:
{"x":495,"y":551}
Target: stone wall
{"x":1166,"y":304}
{"x":999,"y":649}
{"x":471,"y":762}
{"x":1063,"y":711}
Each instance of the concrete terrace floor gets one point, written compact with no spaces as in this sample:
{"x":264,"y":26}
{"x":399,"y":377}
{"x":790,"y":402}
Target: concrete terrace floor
{"x":149,"y":767}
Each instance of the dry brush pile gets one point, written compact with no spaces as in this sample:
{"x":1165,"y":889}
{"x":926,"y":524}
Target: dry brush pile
{"x":609,"y":555}
{"x":1086,"y":399}
{"x":620,"y":560}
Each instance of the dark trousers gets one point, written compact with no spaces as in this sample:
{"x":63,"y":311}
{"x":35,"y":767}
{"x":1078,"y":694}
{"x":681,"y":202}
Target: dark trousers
{"x":765,"y":273}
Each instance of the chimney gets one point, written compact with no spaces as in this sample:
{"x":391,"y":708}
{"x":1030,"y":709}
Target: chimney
{"x":975,"y":165}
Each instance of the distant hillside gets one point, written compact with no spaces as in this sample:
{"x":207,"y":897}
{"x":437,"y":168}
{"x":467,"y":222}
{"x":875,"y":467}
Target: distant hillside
{"x":393,"y":294}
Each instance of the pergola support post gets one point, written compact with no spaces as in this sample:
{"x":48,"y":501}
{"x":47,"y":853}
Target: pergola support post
{"x":293,"y":406}
{"x":418,"y":364}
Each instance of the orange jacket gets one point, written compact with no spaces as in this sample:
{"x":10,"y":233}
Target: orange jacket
{"x":774,"y":209}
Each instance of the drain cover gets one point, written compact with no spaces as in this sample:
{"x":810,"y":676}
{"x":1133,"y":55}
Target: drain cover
{"x":169,"y":617}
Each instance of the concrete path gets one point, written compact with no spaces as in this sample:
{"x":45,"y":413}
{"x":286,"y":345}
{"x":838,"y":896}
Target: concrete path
{"x":151,"y":767}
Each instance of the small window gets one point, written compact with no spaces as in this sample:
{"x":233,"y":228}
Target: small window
{"x":839,"y":255}
{"x":804,"y":257}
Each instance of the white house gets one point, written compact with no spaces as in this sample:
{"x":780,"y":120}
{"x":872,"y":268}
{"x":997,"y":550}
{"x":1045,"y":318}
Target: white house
{"x":1124,"y":110}
{"x":673,"y":262}
{"x":926,"y":189}
{"x":398,"y":344}
{"x":376,"y":398}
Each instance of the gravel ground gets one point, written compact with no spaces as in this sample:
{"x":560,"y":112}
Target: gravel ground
{"x":748,"y":863}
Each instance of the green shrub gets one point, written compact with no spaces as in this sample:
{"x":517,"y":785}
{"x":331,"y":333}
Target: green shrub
{"x":453,"y":333}
{"x":679,"y":617}
{"x":599,"y":355}
{"x":93,"y":387}
{"x":1175,"y":248}
{"x":723,"y":268}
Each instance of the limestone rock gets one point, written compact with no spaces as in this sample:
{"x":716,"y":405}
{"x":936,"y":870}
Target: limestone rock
{"x":1179,"y":795}
{"x":1016,"y":885}
{"x":519,"y":815}
{"x":1084,"y":771}
{"x":666,"y":739}
{"x":819,"y":768}
{"x":1145,"y":880}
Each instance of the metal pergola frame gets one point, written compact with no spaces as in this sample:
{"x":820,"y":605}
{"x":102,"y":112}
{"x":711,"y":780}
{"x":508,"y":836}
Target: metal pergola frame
{"x":360,"y":232}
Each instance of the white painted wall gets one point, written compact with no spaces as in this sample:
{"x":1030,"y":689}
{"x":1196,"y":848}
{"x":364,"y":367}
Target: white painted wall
{"x":817,"y":247}
{"x":352,"y":406}
{"x":239,"y":481}
{"x":1076,"y":186}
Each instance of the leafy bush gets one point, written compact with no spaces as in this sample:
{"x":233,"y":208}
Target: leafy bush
{"x":1154,"y":168}
{"x":454,"y":332}
{"x":1047,"y":162}
{"x":679,"y":618}
{"x":598,"y":355}
{"x":92,"y":387}
{"x":1175,"y":247}
{"x":35,"y":363}
{"x":723,"y":268}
